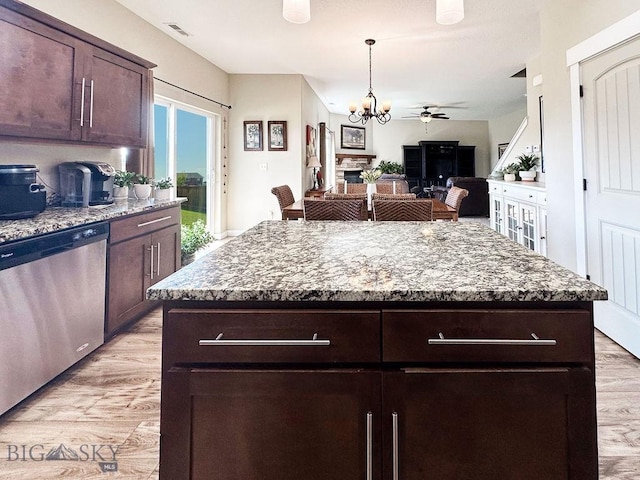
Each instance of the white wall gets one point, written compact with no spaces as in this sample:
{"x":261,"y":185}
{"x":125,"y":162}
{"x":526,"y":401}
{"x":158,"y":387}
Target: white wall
{"x":563,"y":25}
{"x":502,"y":129}
{"x":268,"y":97}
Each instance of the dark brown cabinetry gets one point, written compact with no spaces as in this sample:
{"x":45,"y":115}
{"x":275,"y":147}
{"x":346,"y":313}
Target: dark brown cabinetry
{"x":62,"y":84}
{"x":479,"y":393}
{"x":143,"y":249}
{"x":432,"y":162}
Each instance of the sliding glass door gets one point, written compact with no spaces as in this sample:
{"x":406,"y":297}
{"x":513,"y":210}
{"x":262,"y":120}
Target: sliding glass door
{"x":184,"y":140}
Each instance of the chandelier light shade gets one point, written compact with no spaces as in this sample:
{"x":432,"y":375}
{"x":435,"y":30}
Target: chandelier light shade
{"x":449,"y":12}
{"x":369,"y":108}
{"x":296,"y":11}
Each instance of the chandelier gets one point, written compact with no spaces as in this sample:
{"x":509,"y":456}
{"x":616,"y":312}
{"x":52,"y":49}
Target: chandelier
{"x":369,"y":107}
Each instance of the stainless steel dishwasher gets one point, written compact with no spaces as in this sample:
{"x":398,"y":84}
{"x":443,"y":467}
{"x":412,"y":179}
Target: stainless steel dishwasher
{"x":52,"y":306}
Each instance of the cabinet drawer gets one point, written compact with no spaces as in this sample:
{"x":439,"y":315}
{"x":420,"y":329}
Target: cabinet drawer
{"x":135,"y":225}
{"x":495,"y":336}
{"x":519,"y":193}
{"x":495,"y":189}
{"x":542,"y":198}
{"x":271,"y":336}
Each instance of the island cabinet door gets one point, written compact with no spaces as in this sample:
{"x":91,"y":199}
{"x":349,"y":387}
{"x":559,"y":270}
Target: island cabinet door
{"x":525,"y":424}
{"x":270,"y":425}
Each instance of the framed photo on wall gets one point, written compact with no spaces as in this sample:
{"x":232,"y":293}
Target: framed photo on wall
{"x":352,"y":137}
{"x":277,"y":136}
{"x":253,"y":135}
{"x":501,"y":149}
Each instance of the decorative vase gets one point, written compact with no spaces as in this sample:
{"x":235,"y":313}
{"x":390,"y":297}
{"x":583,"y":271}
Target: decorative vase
{"x":509,"y":177}
{"x":120,"y":193}
{"x":371,"y":189}
{"x":163,"y":194}
{"x":527,"y":175}
{"x":142,"y":191}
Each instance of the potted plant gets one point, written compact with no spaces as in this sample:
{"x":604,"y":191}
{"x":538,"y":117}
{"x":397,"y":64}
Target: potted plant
{"x":142,"y":187}
{"x":497,"y":174}
{"x":369,"y":177}
{"x":392,"y":168}
{"x":510,"y":172}
{"x":163,"y":188}
{"x":192,"y":238}
{"x":527,"y":165}
{"x":122,"y":180}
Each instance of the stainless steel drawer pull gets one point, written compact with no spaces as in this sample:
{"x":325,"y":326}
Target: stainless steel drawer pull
{"x":369,"y":446}
{"x":396,"y":474}
{"x":314,"y":342}
{"x":91,"y":106}
{"x":488,"y":341}
{"x":154,"y":221}
{"x":84,"y":84}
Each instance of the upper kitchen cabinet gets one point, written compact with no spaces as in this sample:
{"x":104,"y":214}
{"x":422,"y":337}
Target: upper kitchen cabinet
{"x":62,"y":84}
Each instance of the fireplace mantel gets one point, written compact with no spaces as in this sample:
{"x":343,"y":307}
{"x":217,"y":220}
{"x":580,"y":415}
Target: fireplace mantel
{"x":341,"y":156}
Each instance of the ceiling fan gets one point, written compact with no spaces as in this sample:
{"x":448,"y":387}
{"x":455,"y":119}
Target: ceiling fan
{"x":426,"y":116}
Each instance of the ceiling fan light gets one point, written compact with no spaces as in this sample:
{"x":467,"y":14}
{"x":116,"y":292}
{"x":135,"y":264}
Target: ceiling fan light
{"x":449,"y":12}
{"x":296,"y":11}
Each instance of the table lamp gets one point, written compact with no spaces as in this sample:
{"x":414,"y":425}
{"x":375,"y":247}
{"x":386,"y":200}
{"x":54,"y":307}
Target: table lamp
{"x":313,"y":162}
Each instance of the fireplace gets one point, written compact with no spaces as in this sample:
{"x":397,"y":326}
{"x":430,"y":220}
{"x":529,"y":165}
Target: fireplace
{"x":352,"y":176}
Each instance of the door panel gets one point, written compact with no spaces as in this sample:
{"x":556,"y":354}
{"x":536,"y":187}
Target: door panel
{"x":612,"y":168}
{"x":272,"y":425}
{"x":460,"y":424}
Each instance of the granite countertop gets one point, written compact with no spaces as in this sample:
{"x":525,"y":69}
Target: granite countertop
{"x":53,"y":219}
{"x":374,"y":261}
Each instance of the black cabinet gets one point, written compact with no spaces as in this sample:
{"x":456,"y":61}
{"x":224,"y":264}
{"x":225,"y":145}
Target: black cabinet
{"x":432,"y":162}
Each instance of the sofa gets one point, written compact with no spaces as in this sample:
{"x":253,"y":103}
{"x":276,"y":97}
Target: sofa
{"x":476,"y":204}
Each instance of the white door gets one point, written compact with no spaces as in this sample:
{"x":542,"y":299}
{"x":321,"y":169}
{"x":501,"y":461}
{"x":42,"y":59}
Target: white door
{"x":611,"y":110}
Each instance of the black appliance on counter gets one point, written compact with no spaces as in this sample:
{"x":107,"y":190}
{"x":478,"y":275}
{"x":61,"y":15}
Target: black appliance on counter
{"x":84,"y":184}
{"x":20,"y":195}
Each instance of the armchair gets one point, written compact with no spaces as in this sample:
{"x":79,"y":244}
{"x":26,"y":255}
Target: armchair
{"x":476,"y":204}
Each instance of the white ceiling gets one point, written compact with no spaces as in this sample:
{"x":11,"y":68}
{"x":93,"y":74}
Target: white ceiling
{"x":415,"y":60}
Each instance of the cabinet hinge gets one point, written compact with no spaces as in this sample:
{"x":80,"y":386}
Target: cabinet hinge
{"x":581,"y":91}
{"x":584,"y":184}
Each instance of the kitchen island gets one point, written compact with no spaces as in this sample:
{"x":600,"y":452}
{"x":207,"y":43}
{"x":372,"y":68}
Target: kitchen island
{"x":377,"y":350}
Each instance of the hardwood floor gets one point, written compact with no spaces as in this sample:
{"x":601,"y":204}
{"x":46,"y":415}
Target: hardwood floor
{"x":112,"y":399}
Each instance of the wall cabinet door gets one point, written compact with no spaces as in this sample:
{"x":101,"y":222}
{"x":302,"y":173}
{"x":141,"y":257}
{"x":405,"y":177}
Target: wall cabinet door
{"x":39,"y":68}
{"x":116,"y":100}
{"x":270,"y":425}
{"x":450,"y":424}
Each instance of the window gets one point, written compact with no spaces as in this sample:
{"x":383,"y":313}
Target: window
{"x":184,"y":146}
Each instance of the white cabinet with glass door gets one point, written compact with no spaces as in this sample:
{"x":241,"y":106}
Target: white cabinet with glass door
{"x":518,"y":210}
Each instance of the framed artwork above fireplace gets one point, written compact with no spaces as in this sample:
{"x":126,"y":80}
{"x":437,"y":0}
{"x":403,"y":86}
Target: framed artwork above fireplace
{"x":352,"y":137}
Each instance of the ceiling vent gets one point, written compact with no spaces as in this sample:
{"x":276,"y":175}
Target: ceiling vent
{"x":177,"y":28}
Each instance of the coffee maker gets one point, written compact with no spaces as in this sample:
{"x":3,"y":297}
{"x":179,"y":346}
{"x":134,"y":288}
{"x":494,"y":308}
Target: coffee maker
{"x":85,"y":184}
{"x":20,"y":195}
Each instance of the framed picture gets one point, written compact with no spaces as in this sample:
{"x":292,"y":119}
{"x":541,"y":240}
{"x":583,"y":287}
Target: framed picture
{"x":253,"y":135}
{"x":277,"y":136}
{"x":352,"y":137}
{"x":501,"y":149}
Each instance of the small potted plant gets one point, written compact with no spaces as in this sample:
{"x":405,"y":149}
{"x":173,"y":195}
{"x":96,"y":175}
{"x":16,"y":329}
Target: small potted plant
{"x":527,"y":166}
{"x":510,"y":172}
{"x":390,"y":168}
{"x":142,"y":187}
{"x":163,"y":188}
{"x":192,"y":238}
{"x":121,"y":182}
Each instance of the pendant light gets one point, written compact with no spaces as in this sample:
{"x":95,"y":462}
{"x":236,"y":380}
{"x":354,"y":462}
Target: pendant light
{"x":449,"y":12}
{"x":296,"y":11}
{"x":369,"y":107}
